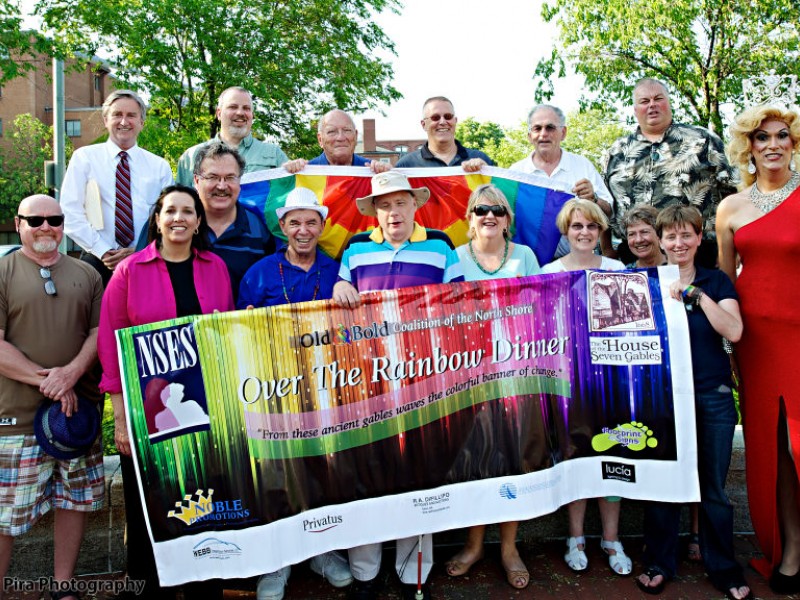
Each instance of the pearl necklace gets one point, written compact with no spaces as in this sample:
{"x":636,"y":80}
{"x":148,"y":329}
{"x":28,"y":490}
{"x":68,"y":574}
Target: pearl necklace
{"x":475,"y":258}
{"x":767,"y":202}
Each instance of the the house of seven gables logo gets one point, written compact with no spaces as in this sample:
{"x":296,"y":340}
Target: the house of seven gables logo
{"x":171,"y":382}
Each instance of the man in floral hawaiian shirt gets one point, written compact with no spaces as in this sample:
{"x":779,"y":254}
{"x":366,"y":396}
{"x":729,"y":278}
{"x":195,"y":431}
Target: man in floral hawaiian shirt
{"x":664,"y":163}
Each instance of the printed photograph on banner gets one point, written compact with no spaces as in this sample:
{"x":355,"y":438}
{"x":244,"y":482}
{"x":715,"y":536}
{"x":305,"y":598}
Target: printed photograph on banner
{"x":620,"y":302}
{"x":171,"y":382}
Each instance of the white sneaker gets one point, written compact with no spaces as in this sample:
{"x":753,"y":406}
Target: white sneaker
{"x":333,"y":567}
{"x":271,"y":585}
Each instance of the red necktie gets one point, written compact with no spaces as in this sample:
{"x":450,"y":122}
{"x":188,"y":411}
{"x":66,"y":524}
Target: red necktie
{"x":123,"y":214}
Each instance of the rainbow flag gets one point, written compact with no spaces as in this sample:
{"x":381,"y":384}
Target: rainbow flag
{"x":533,"y":199}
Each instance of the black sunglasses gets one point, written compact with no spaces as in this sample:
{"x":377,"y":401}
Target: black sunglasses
{"x":49,"y":286}
{"x":37,"y":221}
{"x":437,"y":118}
{"x":481,"y":210}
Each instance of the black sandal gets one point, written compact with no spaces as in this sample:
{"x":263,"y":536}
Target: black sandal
{"x":652,"y":573}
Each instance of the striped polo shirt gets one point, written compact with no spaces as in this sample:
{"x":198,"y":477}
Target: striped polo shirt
{"x":372,"y":263}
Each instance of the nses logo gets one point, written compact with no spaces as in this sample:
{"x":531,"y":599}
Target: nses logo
{"x":619,"y":472}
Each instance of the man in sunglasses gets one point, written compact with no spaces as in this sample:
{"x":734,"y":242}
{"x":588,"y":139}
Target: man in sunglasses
{"x":109,"y":188}
{"x":442,"y":148}
{"x":664,"y":163}
{"x":547,"y":128}
{"x":49,"y":312}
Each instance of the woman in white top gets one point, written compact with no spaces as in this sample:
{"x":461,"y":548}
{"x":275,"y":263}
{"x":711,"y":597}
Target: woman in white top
{"x":582,"y":222}
{"x":490,"y":254}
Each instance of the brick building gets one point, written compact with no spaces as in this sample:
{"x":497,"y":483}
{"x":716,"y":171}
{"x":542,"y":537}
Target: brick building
{"x":384,"y":150}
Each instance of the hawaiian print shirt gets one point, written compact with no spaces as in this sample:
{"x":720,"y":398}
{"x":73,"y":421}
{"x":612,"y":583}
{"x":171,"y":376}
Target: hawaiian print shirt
{"x":688,"y":166}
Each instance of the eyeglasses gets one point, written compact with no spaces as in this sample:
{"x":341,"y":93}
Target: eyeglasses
{"x":37,"y":221}
{"x":216,"y":179}
{"x":581,"y":226}
{"x":49,"y":286}
{"x":481,"y":210}
{"x":344,"y":132}
{"x":437,"y":118}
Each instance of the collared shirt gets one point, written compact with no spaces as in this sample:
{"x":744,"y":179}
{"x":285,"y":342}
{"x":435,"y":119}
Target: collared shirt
{"x":358,"y":161}
{"x":425,"y":158}
{"x":274,"y":280}
{"x":688,"y":166}
{"x":372,"y":263}
{"x":246,"y":241}
{"x":257,"y":156}
{"x":140,"y":291}
{"x":98,"y":162}
{"x":571,"y":169}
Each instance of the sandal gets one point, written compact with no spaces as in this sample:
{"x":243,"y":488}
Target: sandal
{"x":457,"y":568}
{"x":619,"y":562}
{"x":575,"y":557}
{"x":693,"y":549}
{"x":651,"y":573}
{"x":517,"y":578}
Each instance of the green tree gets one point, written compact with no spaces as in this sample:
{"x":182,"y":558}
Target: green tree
{"x":702,"y":49}
{"x":298,"y":57}
{"x":22,"y":164}
{"x":19,"y":47}
{"x":477,"y":135}
{"x":590,"y":133}
{"x":513,"y":147}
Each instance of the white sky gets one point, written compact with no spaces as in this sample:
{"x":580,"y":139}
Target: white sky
{"x":481,"y":54}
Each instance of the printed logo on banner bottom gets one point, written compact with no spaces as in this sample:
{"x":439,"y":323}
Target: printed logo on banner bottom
{"x":634,"y":436}
{"x":619,"y":472}
{"x":215,"y":549}
{"x":200,"y":508}
{"x":322,"y":525}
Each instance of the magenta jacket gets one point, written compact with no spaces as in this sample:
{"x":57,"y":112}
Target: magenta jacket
{"x":140,"y":292}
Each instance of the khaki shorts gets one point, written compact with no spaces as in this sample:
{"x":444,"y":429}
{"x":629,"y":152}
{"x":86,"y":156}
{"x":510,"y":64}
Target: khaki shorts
{"x":32,"y":482}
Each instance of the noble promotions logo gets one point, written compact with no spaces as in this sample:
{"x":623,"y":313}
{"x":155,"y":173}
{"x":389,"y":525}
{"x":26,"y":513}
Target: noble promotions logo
{"x":200,"y":508}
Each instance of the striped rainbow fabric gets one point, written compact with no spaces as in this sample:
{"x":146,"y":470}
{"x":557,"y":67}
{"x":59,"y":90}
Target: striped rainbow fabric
{"x":533,"y":199}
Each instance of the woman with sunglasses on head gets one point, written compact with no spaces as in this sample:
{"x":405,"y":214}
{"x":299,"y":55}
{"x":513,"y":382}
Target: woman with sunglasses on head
{"x":758,"y":226}
{"x":174,"y":276}
{"x":583,"y":222}
{"x":490,"y":254}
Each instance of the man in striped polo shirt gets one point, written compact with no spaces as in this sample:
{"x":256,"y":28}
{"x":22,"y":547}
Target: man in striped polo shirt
{"x":398,"y":253}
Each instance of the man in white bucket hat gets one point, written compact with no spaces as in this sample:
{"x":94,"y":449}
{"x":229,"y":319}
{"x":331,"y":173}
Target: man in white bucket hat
{"x":398,"y":253}
{"x":299,"y":271}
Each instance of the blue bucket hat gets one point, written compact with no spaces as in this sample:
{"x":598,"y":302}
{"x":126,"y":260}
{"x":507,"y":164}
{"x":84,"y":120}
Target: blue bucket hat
{"x":66,"y":437}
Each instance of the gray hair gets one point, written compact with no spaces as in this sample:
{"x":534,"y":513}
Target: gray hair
{"x":233,"y":88}
{"x":650,"y":81}
{"x":562,"y":120}
{"x":116,"y":95}
{"x":215,"y":150}
{"x":324,"y":118}
{"x":437,"y":99}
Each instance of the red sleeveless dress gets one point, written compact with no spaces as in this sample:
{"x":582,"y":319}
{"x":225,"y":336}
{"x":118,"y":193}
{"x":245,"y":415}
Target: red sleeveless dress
{"x":769,"y":359}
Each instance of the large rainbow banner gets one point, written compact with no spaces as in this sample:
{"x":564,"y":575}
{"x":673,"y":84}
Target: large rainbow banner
{"x":535,"y":201}
{"x":265,"y":437}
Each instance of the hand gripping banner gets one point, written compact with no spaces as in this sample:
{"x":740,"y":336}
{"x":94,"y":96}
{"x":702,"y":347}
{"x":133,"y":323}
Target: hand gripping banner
{"x":268,"y":436}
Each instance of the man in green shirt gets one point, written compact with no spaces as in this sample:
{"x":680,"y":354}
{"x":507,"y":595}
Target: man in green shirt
{"x":235,"y":114}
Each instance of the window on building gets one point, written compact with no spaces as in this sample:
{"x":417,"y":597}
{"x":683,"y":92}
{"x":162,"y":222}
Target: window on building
{"x":401,"y":149}
{"x":98,"y":83}
{"x":1,"y":127}
{"x":73,"y":128}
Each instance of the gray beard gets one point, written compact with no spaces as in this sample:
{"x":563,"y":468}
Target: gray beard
{"x":44,"y":246}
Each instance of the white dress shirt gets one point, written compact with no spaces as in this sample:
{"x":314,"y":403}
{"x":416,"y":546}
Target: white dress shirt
{"x":149,"y":175}
{"x":571,"y":169}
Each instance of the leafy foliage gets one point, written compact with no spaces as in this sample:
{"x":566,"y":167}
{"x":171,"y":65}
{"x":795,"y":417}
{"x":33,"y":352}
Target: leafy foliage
{"x":22,"y":165}
{"x":298,"y":57}
{"x":702,"y":49}
{"x":474,"y":134}
{"x":590,"y":133}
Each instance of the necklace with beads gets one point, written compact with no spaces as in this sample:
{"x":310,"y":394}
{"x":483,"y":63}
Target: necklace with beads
{"x":477,"y":262}
{"x":767,"y":202}
{"x":283,"y":284}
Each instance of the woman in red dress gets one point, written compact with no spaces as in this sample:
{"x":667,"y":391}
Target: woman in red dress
{"x":758,"y":226}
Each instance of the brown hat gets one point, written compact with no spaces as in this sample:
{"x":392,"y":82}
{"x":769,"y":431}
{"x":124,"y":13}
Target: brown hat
{"x":386,"y":183}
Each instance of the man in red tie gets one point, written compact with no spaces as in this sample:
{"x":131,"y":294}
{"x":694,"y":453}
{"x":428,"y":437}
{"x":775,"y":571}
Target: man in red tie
{"x":109,"y":188}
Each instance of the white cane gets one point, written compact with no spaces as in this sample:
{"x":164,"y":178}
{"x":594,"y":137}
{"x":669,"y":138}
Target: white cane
{"x":419,"y":595}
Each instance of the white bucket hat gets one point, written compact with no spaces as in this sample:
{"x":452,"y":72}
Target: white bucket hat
{"x":302,"y":198}
{"x":386,"y":183}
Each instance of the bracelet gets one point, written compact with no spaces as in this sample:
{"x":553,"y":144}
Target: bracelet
{"x":693,"y":294}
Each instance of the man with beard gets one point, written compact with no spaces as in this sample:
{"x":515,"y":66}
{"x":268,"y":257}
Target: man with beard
{"x":109,"y":188}
{"x":235,"y":115}
{"x":49,"y":313}
{"x":442,"y":148}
